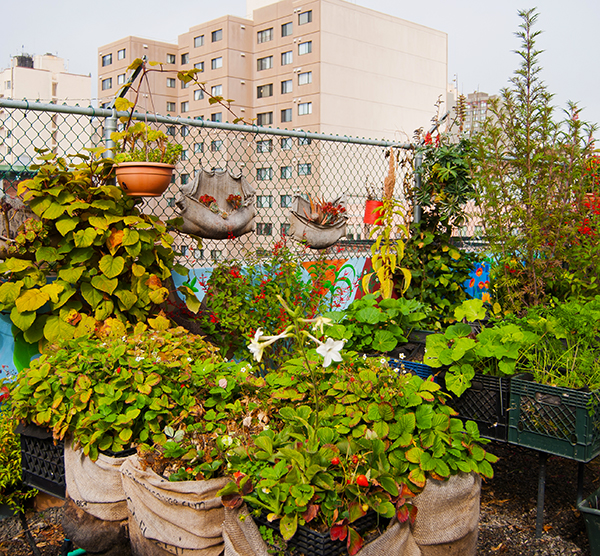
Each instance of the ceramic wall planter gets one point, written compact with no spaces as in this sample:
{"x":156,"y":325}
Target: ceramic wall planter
{"x":225,"y":220}
{"x":372,"y":212}
{"x":144,"y":179}
{"x":315,"y":236}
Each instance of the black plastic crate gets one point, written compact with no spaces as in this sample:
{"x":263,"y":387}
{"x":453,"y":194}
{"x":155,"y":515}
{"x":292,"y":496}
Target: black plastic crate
{"x":560,"y":421}
{"x":42,"y":461}
{"x":419,"y":369}
{"x":314,"y":543}
{"x":486,"y":402}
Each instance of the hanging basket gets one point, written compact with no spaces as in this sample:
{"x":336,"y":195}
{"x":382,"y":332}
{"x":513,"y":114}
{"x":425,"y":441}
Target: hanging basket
{"x":315,"y":236}
{"x":223,"y":221}
{"x":144,"y":179}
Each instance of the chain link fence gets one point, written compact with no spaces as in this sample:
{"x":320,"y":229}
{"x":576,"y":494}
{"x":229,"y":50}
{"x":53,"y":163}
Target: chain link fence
{"x":278,"y":164}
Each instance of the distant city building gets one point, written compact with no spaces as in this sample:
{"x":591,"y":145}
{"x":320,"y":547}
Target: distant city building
{"x":476,"y":111}
{"x":323,"y":65}
{"x":45,"y":79}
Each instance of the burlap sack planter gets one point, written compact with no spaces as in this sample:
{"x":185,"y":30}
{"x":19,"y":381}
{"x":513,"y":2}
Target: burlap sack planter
{"x":95,"y":516}
{"x":183,"y":518}
{"x":446,"y":525}
{"x":315,"y":236}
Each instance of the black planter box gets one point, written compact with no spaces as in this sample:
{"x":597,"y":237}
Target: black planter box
{"x":486,"y":402}
{"x":42,"y":461}
{"x":313,"y":543}
{"x":560,"y":421}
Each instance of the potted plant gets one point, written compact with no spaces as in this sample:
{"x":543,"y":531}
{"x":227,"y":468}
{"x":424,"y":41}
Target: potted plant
{"x":146,"y":159}
{"x":373,"y":207}
{"x":316,"y":222}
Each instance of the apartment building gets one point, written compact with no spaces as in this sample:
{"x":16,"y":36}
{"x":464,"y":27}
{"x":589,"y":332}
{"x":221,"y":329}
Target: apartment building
{"x":44,"y":78}
{"x":325,"y":66}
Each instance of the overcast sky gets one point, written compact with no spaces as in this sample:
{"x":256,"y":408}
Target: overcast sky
{"x":480,"y":36}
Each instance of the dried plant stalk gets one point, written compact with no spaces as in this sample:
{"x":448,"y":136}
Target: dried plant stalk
{"x":390,"y":179}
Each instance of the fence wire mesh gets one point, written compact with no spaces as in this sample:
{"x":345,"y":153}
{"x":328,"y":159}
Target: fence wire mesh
{"x":278,"y":164}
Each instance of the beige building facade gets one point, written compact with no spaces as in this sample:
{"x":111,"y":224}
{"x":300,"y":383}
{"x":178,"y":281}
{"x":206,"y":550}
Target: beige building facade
{"x":318,"y":65}
{"x":45,"y":79}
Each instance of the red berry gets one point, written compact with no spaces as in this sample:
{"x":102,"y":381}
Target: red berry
{"x":335,"y":461}
{"x":362,"y":481}
{"x":355,"y":459}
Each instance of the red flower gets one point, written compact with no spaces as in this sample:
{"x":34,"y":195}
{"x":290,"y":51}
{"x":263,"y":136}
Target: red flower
{"x":362,"y":481}
{"x":4,"y":394}
{"x":213,"y":318}
{"x":428,"y":139}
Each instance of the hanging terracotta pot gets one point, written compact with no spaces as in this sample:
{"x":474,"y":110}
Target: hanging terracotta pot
{"x":144,"y":179}
{"x":373,"y":212}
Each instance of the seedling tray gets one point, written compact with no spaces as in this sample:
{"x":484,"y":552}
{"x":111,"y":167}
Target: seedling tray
{"x":314,"y":543}
{"x":42,"y":461}
{"x":419,"y":369}
{"x":560,"y":421}
{"x":486,"y":402}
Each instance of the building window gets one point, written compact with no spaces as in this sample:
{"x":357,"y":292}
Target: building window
{"x":185,"y":178}
{"x":215,"y":254}
{"x":199,"y":147}
{"x":216,"y":63}
{"x":264,"y":174}
{"x":171,"y":82}
{"x":264,"y":91}
{"x":185,"y":131}
{"x":286,"y":29}
{"x":305,"y":169}
{"x":305,"y":17}
{"x":216,"y":90}
{"x":199,"y":66}
{"x":185,"y":154}
{"x":286,"y":58}
{"x":264,"y":229}
{"x":185,"y":85}
{"x":121,"y":79}
{"x":304,"y":108}
{"x":106,"y":60}
{"x":185,"y":58}
{"x":286,"y":86}
{"x":107,"y":83}
{"x":216,"y":117}
{"x":305,"y":78}
{"x":304,"y":48}
{"x":264,"y":201}
{"x":264,"y":146}
{"x":185,"y":106}
{"x":171,"y":106}
{"x":216,"y":35}
{"x":304,"y":141}
{"x":199,"y":41}
{"x":286,"y":174}
{"x":264,"y":63}
{"x":286,"y":143}
{"x":286,"y":115}
{"x":121,"y":54}
{"x":265,"y":36}
{"x":198,"y":94}
{"x":265,"y":118}
{"x":285,"y":229}
{"x":216,"y":145}
{"x":171,"y":130}
{"x":171,"y":59}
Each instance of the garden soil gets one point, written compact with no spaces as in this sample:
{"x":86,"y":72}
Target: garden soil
{"x":508,"y":511}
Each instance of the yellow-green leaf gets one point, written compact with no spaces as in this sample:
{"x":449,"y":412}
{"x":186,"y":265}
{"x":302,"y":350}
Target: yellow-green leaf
{"x":71,"y":275}
{"x":53,"y":291}
{"x":84,"y":238}
{"x":57,"y":329}
{"x":9,"y":291}
{"x":54,"y":211}
{"x":91,"y":294}
{"x":65,"y":225}
{"x":22,"y":320}
{"x":31,"y":300}
{"x":111,"y":266}
{"x":105,"y":284}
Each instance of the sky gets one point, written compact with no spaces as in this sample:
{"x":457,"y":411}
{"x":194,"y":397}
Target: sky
{"x":481,"y":40}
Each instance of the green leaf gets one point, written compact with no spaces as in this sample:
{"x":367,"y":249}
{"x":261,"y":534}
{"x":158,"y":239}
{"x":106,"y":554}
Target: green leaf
{"x":72,"y":274}
{"x":57,"y":329}
{"x":31,"y":300}
{"x":9,"y":291}
{"x":127,"y":298}
{"x":384,"y":341}
{"x":288,"y":526}
{"x":91,"y":294}
{"x":46,"y":254}
{"x":65,"y":225}
{"x":22,"y":320}
{"x":105,"y":284}
{"x":111,"y":266}
{"x":15,"y":265}
{"x":53,"y":211}
{"x":84,"y":238}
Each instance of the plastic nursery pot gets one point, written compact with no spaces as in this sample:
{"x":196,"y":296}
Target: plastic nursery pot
{"x":144,"y":179}
{"x":372,"y":212}
{"x":590,"y":509}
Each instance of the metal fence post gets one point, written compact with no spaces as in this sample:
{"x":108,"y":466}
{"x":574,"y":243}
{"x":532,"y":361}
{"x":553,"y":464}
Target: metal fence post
{"x":418,"y":165}
{"x":110,"y":125}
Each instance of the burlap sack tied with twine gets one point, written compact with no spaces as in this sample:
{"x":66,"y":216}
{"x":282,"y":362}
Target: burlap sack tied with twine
{"x":446,"y":524}
{"x":183,"y":518}
{"x":95,"y":486}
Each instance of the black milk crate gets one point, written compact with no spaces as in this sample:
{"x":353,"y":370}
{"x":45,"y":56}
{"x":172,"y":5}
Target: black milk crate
{"x":42,"y":461}
{"x":419,"y":369}
{"x":486,"y":402}
{"x":314,"y":543}
{"x":555,"y":420}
